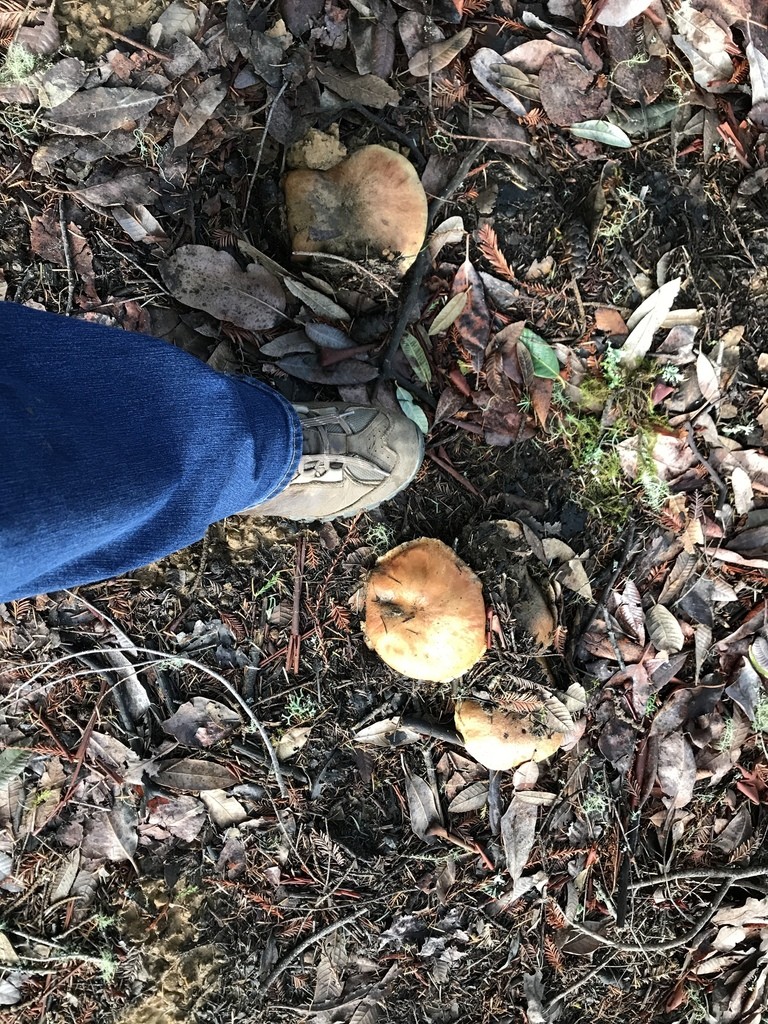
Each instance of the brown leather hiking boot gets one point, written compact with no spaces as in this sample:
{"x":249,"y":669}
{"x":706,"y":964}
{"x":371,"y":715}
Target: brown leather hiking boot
{"x":355,"y":457}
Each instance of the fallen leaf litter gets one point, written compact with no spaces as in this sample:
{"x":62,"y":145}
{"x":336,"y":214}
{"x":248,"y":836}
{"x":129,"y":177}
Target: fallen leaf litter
{"x":579,"y":287}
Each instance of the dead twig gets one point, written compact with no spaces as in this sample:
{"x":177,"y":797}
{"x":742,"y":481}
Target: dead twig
{"x":302,"y":947}
{"x":294,"y":644}
{"x":350,"y":263}
{"x":699,"y":925}
{"x":65,"y":244}
{"x":252,"y":179}
{"x":716,"y":478}
{"x":134,"y":263}
{"x":442,"y":462}
{"x":135,"y":44}
{"x":173,"y":659}
{"x":710,"y":874}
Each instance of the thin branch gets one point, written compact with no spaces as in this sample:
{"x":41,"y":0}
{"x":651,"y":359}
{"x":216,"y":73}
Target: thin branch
{"x":696,"y":929}
{"x":65,"y":243}
{"x":135,"y":44}
{"x":704,"y":874}
{"x":134,"y":263}
{"x":252,"y":180}
{"x":293,"y":654}
{"x":350,"y":263}
{"x":302,"y":947}
{"x":179,"y":659}
{"x":716,"y":478}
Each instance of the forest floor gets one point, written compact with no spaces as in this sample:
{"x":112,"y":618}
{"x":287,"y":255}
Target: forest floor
{"x":216,"y":802}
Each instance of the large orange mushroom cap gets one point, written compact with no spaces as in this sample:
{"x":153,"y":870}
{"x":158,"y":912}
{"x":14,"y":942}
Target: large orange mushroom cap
{"x":371,"y":204}
{"x":424,"y":611}
{"x":501,"y":740}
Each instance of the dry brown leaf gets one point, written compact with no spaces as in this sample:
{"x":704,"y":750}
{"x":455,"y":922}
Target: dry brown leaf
{"x":692,"y":535}
{"x":438,"y":55}
{"x":42,"y":38}
{"x":112,"y":835}
{"x":645,"y":321}
{"x":676,"y":769}
{"x":180,"y":816}
{"x":309,"y":368}
{"x":292,"y":741}
{"x":386,"y":733}
{"x":752,"y":912}
{"x":472,"y":798}
{"x":203,"y":278}
{"x":630,"y":612}
{"x":708,"y":379}
{"x":743,"y":494}
{"x":473,"y":322}
{"x":518,"y":834}
{"x":224,"y":810}
{"x":201,"y":722}
{"x":483,"y":63}
{"x":193,"y":775}
{"x":101,"y":110}
{"x":706,"y":44}
{"x":422,"y":806}
{"x":369,"y":90}
{"x":449,"y":232}
{"x":570,"y":92}
{"x":664,"y":630}
{"x":197,"y":108}
{"x":620,"y":12}
{"x":61,"y":81}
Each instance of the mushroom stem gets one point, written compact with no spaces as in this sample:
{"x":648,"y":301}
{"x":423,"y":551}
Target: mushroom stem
{"x":437,"y":732}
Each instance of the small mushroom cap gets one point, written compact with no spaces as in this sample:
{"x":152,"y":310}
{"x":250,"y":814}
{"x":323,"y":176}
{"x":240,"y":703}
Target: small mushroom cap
{"x":371,"y":204}
{"x":501,"y":740}
{"x":424,"y":611}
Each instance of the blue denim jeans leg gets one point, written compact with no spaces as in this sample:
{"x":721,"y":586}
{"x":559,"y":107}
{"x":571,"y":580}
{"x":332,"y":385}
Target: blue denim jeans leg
{"x":118,"y":448}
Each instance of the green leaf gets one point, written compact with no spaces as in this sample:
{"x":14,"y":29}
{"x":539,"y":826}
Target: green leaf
{"x":545,"y":362}
{"x":13,"y":761}
{"x":411,"y":410}
{"x":644,"y":120}
{"x":758,"y":655}
{"x":450,"y":312}
{"x":416,"y":356}
{"x":602,"y":131}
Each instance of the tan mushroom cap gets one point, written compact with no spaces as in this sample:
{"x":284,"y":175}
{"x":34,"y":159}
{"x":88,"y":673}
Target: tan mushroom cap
{"x":371,"y":204}
{"x":501,"y":740}
{"x":424,"y":611}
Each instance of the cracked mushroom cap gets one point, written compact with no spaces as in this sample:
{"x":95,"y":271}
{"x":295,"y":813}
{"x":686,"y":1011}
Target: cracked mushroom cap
{"x":501,"y":740}
{"x":371,"y":204}
{"x":424,"y":611}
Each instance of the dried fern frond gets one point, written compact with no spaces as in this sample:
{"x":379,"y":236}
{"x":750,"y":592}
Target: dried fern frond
{"x":452,"y":86}
{"x":558,"y":642}
{"x":520,"y":705}
{"x":488,"y":244}
{"x":14,"y":14}
{"x":533,"y":118}
{"x":509,"y":24}
{"x":340,"y":617}
{"x":224,"y":238}
{"x":552,"y":955}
